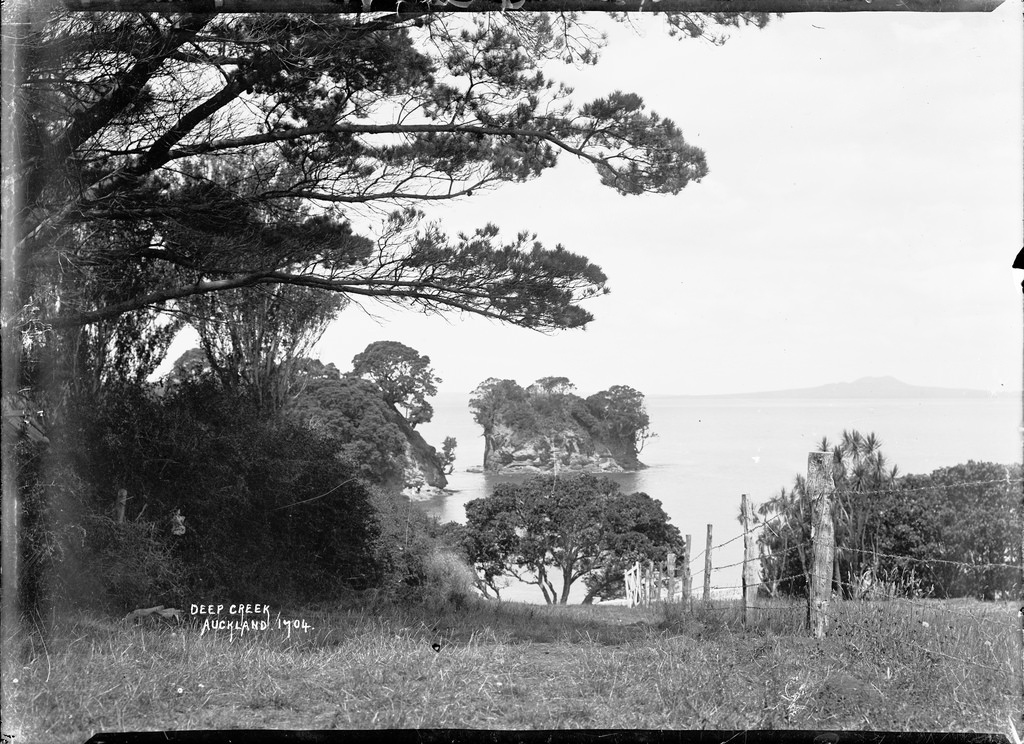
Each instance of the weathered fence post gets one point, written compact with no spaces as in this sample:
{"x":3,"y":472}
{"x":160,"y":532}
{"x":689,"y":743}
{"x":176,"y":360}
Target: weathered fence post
{"x":122,"y":503}
{"x":650,"y":583}
{"x":707,"y":568}
{"x":670,"y":572}
{"x":687,"y":573}
{"x":1020,"y":614}
{"x":820,"y":486}
{"x":750,"y":567}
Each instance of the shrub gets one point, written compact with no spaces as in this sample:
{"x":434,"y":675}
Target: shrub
{"x":134,"y":564}
{"x":447,"y":579}
{"x":420,"y":559}
{"x":271,"y":513}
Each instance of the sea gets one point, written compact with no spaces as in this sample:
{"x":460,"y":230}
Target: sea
{"x":708,"y":451}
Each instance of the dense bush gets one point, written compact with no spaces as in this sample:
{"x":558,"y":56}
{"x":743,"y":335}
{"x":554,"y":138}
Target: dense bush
{"x":407,"y":550}
{"x":959,"y":530}
{"x":132,"y":564}
{"x":952,"y":533}
{"x":352,"y":412}
{"x":271,"y":514}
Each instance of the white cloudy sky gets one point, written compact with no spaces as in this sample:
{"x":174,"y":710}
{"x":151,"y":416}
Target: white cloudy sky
{"x":860,"y":217}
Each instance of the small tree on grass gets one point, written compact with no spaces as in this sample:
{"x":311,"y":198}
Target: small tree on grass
{"x":581,"y":525}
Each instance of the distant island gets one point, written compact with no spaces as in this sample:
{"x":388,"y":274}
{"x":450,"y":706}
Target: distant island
{"x":546,"y":427}
{"x":867,"y":387}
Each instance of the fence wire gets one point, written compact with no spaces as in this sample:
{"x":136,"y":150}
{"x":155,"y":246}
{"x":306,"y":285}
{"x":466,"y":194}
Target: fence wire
{"x":766,"y":523}
{"x":874,"y":587}
{"x":932,"y":560}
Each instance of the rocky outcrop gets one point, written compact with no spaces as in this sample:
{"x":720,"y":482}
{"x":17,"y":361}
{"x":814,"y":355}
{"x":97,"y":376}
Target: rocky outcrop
{"x":567,"y":449}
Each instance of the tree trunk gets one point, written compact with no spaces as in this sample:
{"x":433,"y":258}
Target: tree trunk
{"x":567,"y":581}
{"x":544,"y":584}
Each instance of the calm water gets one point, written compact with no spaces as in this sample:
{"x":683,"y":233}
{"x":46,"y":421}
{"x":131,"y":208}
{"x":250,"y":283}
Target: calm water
{"x":709,"y":451}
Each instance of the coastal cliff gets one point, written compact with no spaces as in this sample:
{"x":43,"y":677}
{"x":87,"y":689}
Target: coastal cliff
{"x":509,"y":451}
{"x":422,"y":473}
{"x":547,"y":427}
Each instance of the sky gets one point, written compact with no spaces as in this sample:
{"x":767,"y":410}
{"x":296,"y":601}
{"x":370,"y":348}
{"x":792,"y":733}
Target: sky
{"x":862,"y":211}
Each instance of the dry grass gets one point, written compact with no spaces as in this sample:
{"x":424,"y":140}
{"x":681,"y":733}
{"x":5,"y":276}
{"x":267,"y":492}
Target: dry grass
{"x":885,"y":665}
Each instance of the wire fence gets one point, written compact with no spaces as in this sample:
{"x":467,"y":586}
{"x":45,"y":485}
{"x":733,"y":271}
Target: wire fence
{"x":870,"y":582}
{"x":763,"y":525}
{"x":879,"y":623}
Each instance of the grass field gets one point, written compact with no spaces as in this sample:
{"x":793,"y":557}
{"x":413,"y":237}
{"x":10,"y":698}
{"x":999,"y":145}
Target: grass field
{"x":895,"y":665}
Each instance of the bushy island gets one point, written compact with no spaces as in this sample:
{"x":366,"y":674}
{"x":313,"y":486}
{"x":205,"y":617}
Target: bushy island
{"x":547,"y":427}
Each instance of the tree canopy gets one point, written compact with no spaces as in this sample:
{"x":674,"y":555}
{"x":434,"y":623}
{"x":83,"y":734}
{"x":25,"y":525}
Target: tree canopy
{"x":404,"y":376}
{"x":235,"y":151}
{"x":254,"y":337}
{"x":954,"y":532}
{"x":353,"y":413}
{"x":581,"y":525}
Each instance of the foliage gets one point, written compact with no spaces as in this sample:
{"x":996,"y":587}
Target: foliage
{"x":862,"y":482}
{"x":622,"y":418}
{"x":638,"y":530}
{"x":448,"y":455}
{"x":353,"y":414}
{"x":915,"y":535}
{"x":420,"y":559}
{"x":122,"y":349}
{"x":496,"y":400}
{"x":252,"y":337}
{"x":49,"y":493}
{"x":222,"y":170}
{"x":580,"y":525}
{"x":191,"y":366}
{"x":209,"y":136}
{"x":403,"y":375}
{"x":269,"y":510}
{"x":959,"y":530}
{"x":137,"y":563}
{"x":360,"y":413}
{"x":447,"y":580}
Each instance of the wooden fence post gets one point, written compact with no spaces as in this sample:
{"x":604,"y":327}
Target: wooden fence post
{"x":750,"y":567}
{"x":687,"y":573}
{"x":821,"y":487}
{"x":1020,"y":615}
{"x":122,"y":503}
{"x":650,"y":583}
{"x":707,"y":568}
{"x":670,"y":572}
